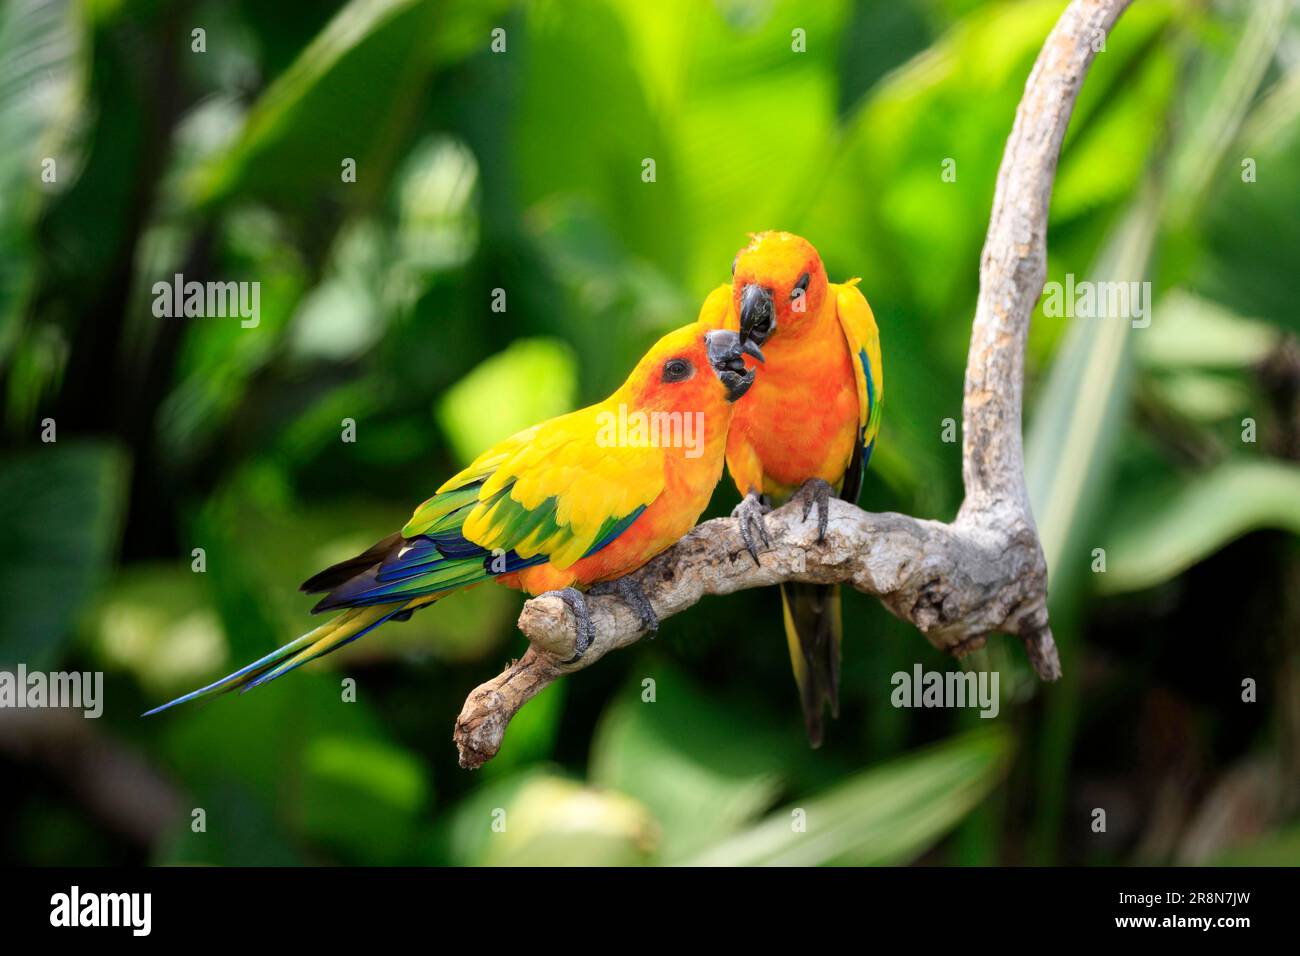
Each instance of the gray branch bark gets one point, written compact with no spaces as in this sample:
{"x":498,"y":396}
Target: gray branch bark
{"x":955,"y":582}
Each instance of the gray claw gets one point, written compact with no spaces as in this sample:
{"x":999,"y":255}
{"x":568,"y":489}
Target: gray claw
{"x":634,"y":596}
{"x":586,"y":633}
{"x":750,"y":514}
{"x":817,"y":492}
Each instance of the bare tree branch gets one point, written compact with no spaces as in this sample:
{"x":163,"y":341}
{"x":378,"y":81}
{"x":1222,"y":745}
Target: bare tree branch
{"x":955,"y":582}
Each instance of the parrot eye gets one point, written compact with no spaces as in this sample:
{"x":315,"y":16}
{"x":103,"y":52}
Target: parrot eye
{"x":677,"y":370}
{"x":800,"y":287}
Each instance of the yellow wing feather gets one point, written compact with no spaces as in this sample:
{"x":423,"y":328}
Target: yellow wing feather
{"x":862,"y":336}
{"x":555,"y":489}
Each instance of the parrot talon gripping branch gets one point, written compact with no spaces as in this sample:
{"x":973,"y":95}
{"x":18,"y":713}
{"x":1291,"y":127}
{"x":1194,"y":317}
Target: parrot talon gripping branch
{"x":957,"y":583}
{"x":634,"y":597}
{"x":584,"y":632}
{"x":749,"y":517}
{"x":816,"y":493}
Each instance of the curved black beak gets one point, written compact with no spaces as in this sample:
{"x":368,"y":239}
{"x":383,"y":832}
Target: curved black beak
{"x":727,"y":356}
{"x":757,"y":317}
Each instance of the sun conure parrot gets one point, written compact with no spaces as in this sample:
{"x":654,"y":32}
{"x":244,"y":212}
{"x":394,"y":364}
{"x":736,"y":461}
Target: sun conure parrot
{"x":806,"y":428}
{"x":567,"y":504}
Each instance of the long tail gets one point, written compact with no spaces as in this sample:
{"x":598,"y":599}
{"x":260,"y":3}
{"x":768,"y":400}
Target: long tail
{"x":814,"y":631}
{"x":386,"y":582}
{"x":330,"y":636}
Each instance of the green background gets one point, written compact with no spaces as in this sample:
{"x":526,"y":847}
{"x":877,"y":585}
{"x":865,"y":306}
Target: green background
{"x":522,"y":170}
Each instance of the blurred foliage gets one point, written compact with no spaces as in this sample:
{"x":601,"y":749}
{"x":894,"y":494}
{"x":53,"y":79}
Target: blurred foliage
{"x":59,"y":516}
{"x":498,"y":259}
{"x":882,"y":816}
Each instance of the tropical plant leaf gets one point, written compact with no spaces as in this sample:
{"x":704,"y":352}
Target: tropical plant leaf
{"x":1161,"y":532}
{"x":351,"y":94}
{"x":60,"y":512}
{"x":1193,"y":331}
{"x":363,"y":797}
{"x":677,"y":756}
{"x":888,"y":815}
{"x":1076,"y":421}
{"x":529,"y":382}
{"x":536,"y":817}
{"x":42,"y":76}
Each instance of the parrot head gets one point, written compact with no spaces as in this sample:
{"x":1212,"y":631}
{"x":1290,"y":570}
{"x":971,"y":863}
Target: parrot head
{"x":691,"y":369}
{"x":776,"y":282}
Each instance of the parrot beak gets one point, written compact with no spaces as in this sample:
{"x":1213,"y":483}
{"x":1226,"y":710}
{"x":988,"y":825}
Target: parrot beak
{"x":727,"y":356}
{"x":757,"y":317}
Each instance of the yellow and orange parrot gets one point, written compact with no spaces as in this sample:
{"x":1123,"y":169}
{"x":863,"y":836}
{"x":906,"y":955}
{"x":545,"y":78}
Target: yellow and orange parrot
{"x":576,"y":501}
{"x":807,"y":428}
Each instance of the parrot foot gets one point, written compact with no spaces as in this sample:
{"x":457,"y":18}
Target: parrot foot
{"x":634,"y":597}
{"x":753,"y":528}
{"x":817,"y":492}
{"x":586,"y":633}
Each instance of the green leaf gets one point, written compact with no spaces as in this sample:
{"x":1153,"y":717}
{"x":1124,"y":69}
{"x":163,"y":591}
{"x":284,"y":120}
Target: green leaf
{"x":1188,"y":330}
{"x":363,"y":797}
{"x":239,"y":830}
{"x":559,"y":94}
{"x":886,"y":816}
{"x":1160,"y":533}
{"x":677,"y":755}
{"x":238,"y":593}
{"x":535,"y":817}
{"x":260,"y":742}
{"x":531,"y":381}
{"x":42,"y":77}
{"x":1202,"y":397}
{"x":1279,"y":848}
{"x":468,"y":830}
{"x":612,"y":303}
{"x":1076,"y":421}
{"x":153,"y":621}
{"x":60,"y":511}
{"x":1075,"y":429}
{"x":1220,"y":121}
{"x":556,"y":821}
{"x":351,"y":94}
{"x":748,"y":122}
